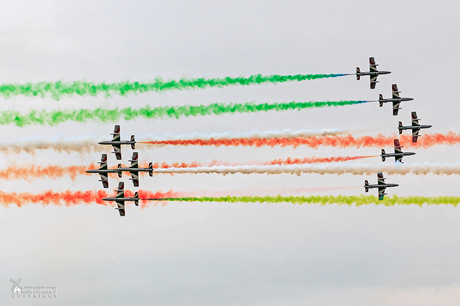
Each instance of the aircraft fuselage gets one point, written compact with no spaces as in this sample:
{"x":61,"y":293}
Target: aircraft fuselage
{"x":373,"y":73}
{"x":120,"y":199}
{"x":111,"y":142}
{"x":398,"y":154}
{"x":102,"y":171}
{"x":414,"y":127}
{"x":381,"y":185}
{"x":116,"y":170}
{"x":395,"y":100}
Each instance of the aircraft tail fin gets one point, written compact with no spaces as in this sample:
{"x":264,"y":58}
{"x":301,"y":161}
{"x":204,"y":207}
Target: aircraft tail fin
{"x":133,"y":145}
{"x":366,"y":185}
{"x":357,"y":73}
{"x":383,"y":153}
{"x":151,"y":169}
{"x":380,"y":100}
{"x":136,"y":198}
{"x":400,"y":125}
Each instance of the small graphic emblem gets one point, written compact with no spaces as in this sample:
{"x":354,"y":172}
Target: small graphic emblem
{"x":16,"y":288}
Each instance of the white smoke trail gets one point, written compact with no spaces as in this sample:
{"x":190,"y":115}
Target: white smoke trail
{"x":85,"y":144}
{"x":251,"y":134}
{"x":355,"y":169}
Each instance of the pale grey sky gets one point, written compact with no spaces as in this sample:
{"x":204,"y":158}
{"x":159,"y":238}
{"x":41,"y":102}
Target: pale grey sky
{"x":223,"y":253}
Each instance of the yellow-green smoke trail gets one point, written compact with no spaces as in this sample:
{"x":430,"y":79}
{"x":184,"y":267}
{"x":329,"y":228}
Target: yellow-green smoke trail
{"x":324,"y":200}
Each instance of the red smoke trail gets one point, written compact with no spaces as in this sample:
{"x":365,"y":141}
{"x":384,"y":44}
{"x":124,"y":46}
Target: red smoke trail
{"x":72,"y":198}
{"x":50,"y":171}
{"x":379,"y":141}
{"x":67,"y":198}
{"x":314,"y":160}
{"x":176,"y":165}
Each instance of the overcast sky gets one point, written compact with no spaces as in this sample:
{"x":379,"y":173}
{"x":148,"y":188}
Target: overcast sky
{"x":224,"y":253}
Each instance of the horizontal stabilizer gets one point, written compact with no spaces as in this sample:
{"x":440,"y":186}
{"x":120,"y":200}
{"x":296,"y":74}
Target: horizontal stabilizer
{"x":133,"y":145}
{"x":151,"y":167}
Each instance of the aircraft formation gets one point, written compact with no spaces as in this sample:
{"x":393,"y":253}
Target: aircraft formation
{"x":134,"y":169}
{"x":415,"y":127}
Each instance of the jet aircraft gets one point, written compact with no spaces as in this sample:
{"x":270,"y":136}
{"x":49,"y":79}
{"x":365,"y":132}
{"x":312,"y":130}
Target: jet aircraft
{"x":398,"y":154}
{"x":134,"y":169}
{"x":373,"y":73}
{"x":103,"y":171}
{"x":116,"y":143}
{"x":120,"y":199}
{"x":380,"y":185}
{"x":396,"y":99}
{"x":415,"y":127}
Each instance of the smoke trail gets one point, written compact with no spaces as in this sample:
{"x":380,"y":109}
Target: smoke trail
{"x":346,"y":141}
{"x":288,"y":161}
{"x":71,"y":198}
{"x":270,"y":138}
{"x":286,"y":133}
{"x":54,"y":117}
{"x":59,"y":89}
{"x":324,"y":200}
{"x":59,"y":144}
{"x":314,"y":160}
{"x":266,"y":191}
{"x":67,"y":198}
{"x":88,"y":144}
{"x":338,"y":169}
{"x":15,"y":172}
{"x":50,"y":171}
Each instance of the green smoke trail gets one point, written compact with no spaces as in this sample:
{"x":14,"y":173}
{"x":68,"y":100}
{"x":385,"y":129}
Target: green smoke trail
{"x":41,"y":117}
{"x":57,"y":90}
{"x":323,"y":200}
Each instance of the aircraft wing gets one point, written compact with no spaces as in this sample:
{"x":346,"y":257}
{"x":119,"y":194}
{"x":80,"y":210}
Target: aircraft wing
{"x":414,"y":119}
{"x":396,"y":108}
{"x":372,"y":65}
{"x":395,"y":91}
{"x":135,"y":178}
{"x":399,"y":159}
{"x":104,"y":180}
{"x":117,"y":151}
{"x":121,"y":208}
{"x":116,"y":133}
{"x":373,"y":81}
{"x":380,"y":179}
{"x":398,"y":148}
{"x":134,"y":160}
{"x":381,"y":193}
{"x":415,"y":134}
